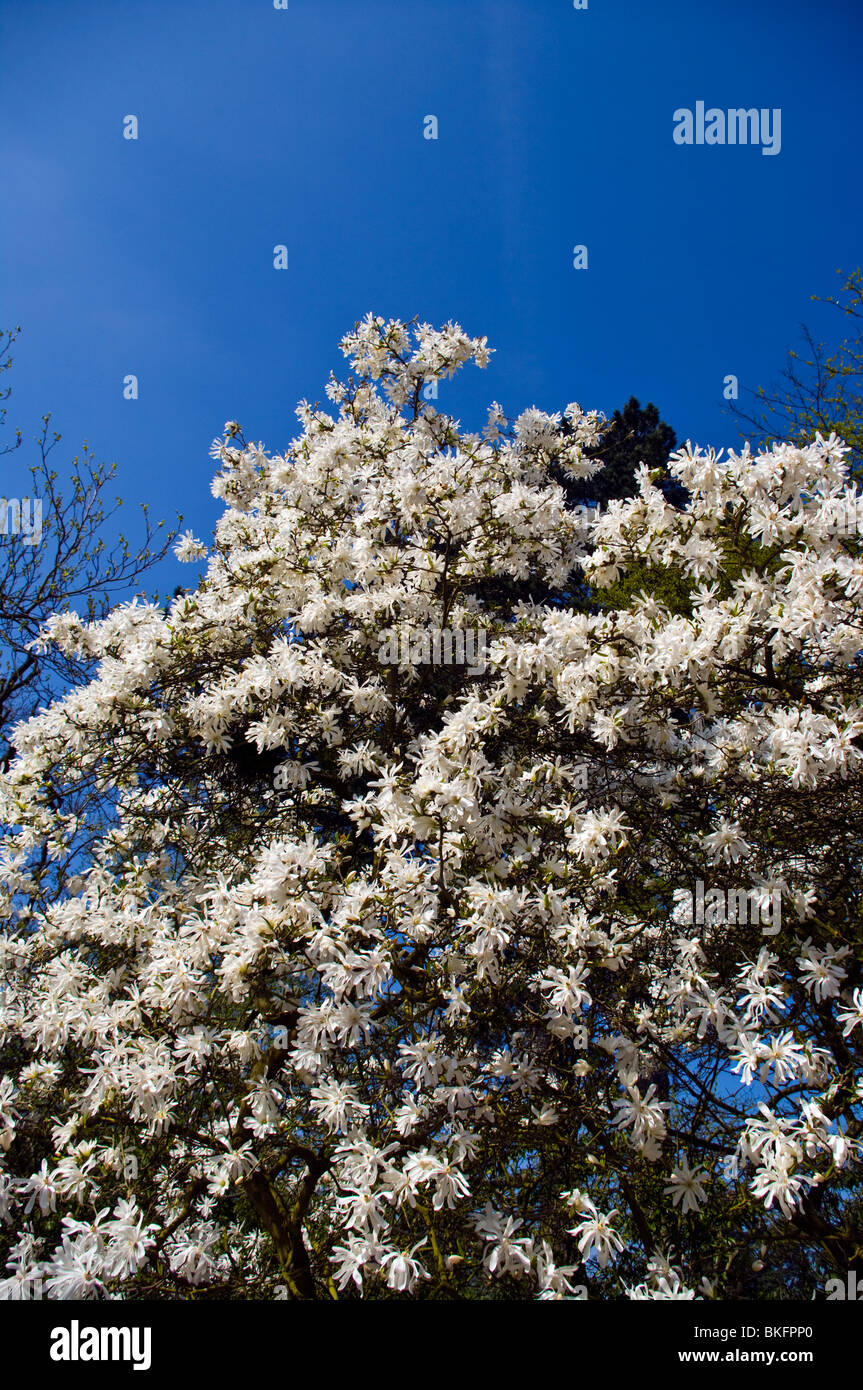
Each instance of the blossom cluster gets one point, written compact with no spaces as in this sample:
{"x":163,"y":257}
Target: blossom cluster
{"x":329,"y":1034}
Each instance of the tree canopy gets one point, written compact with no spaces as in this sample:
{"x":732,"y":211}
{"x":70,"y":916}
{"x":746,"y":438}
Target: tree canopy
{"x":329,"y":977}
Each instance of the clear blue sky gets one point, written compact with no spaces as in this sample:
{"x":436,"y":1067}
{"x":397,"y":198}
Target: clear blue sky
{"x":305,"y":127}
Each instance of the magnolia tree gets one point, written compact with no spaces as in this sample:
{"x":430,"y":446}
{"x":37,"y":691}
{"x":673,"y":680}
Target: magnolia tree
{"x":335,"y":968}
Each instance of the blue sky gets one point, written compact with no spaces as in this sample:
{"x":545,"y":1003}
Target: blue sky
{"x":304,"y":127}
